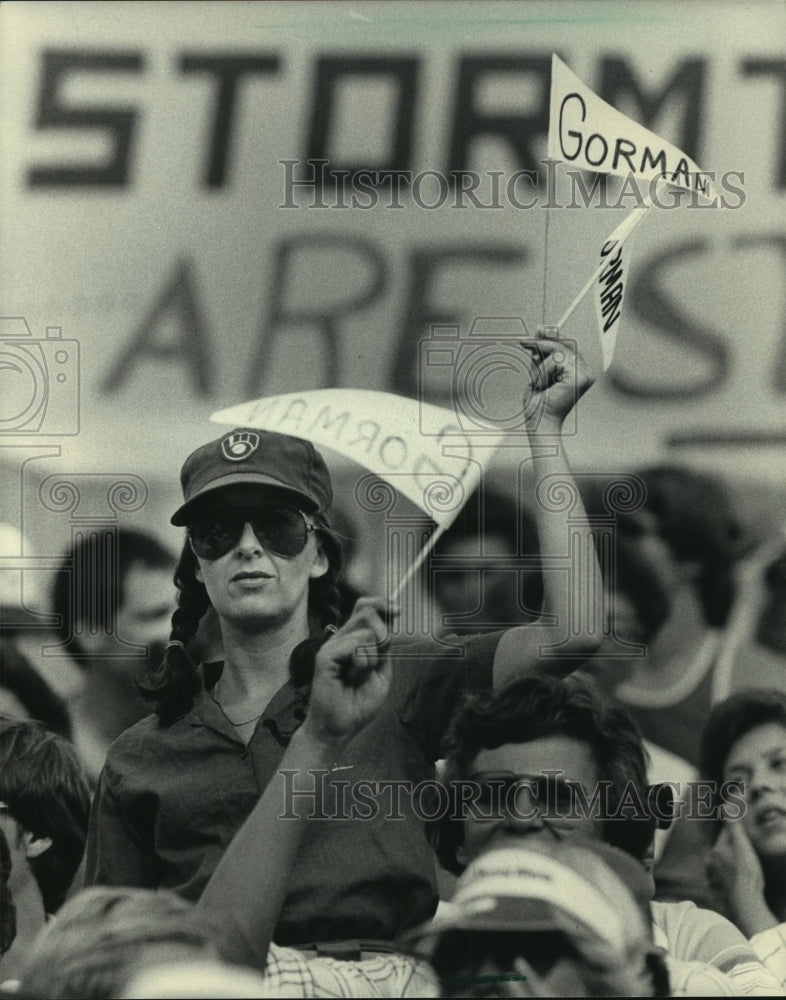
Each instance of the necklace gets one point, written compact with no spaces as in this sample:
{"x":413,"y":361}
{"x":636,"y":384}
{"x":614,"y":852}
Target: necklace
{"x":232,"y":721}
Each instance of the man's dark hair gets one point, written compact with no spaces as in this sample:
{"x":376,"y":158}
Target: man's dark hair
{"x":533,"y":708}
{"x":45,"y":788}
{"x":731,"y":719}
{"x":75,"y":588}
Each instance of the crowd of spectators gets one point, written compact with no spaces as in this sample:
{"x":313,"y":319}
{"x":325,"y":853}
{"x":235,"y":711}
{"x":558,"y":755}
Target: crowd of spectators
{"x":251,"y":792}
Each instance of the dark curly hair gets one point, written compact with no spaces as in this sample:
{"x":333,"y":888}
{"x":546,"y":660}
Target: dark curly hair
{"x":731,"y":719}
{"x":173,"y":684}
{"x":530,"y":709}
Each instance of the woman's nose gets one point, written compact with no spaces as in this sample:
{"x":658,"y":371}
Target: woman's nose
{"x":248,"y":541}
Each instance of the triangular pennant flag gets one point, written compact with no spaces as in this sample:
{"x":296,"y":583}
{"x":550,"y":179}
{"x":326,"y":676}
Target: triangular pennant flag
{"x":611,"y":281}
{"x":609,"y":273}
{"x":587,"y":133}
{"x":416,"y":447}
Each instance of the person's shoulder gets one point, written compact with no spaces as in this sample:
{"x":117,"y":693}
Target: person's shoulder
{"x":143,"y":743}
{"x":686,"y":911}
{"x":131,"y":743}
{"x":446,"y":650}
{"x":696,"y":933}
{"x":139,"y":731}
{"x":668,"y":910}
{"x":452,"y":663}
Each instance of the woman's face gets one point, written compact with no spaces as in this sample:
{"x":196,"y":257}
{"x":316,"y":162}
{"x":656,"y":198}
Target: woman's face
{"x":758,"y":760}
{"x":251,"y":584}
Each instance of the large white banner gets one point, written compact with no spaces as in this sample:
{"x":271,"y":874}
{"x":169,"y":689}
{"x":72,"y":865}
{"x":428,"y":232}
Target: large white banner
{"x":211,"y":203}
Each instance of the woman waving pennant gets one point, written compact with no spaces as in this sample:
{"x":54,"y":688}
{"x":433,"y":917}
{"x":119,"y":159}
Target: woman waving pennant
{"x":260,"y":550}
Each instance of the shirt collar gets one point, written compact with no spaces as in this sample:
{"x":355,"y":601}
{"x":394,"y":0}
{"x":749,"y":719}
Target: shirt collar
{"x":284,"y":714}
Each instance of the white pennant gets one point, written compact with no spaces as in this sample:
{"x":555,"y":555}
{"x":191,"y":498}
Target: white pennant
{"x":587,"y":133}
{"x":417,"y":447}
{"x":611,"y":281}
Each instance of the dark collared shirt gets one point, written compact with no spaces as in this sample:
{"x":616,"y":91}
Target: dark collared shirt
{"x":170,"y":799}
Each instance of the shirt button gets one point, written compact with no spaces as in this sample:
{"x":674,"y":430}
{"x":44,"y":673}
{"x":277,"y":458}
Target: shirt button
{"x":244,"y":754}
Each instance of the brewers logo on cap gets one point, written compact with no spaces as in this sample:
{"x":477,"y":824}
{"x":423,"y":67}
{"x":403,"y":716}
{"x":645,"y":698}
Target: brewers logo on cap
{"x":239,"y":445}
{"x":247,"y":456}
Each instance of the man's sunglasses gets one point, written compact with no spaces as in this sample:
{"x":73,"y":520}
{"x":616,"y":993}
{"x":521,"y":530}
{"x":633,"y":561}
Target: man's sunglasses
{"x":283,"y":531}
{"x":563,"y":801}
{"x":551,"y":794}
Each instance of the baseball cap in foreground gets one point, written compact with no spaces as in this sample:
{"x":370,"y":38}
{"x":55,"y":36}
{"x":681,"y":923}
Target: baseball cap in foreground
{"x":594,"y":896}
{"x":258,"y":458}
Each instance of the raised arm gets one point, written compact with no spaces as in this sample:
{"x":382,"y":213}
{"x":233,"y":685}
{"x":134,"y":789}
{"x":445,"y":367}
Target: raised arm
{"x":567,"y":631}
{"x":737,"y":878}
{"x":246,"y":892}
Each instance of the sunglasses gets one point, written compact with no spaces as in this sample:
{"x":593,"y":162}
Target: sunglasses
{"x":550,"y":795}
{"x":283,"y":531}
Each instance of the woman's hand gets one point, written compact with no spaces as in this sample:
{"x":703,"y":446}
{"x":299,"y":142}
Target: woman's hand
{"x":735,"y":874}
{"x":559,"y":377}
{"x":351,"y":674}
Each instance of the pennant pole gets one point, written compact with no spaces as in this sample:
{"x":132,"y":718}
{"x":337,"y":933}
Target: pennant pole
{"x":545,"y":264}
{"x":634,"y":224}
{"x":421,"y":558}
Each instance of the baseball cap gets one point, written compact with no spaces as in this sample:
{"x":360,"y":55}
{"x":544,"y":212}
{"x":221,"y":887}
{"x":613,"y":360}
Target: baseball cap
{"x":245,"y":456}
{"x":591,"y":891}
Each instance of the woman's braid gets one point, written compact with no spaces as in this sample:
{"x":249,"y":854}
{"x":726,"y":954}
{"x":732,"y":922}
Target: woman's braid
{"x":173,"y":684}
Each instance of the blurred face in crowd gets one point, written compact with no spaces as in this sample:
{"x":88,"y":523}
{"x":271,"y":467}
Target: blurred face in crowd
{"x":525,"y":789}
{"x":145,"y":616}
{"x":758,"y":760}
{"x":614,"y":663}
{"x":487,"y":593}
